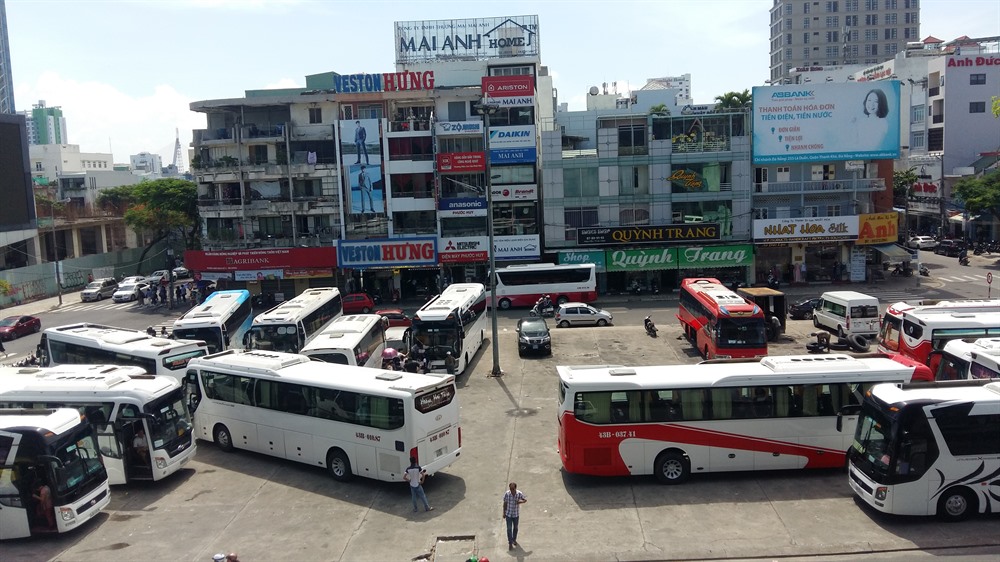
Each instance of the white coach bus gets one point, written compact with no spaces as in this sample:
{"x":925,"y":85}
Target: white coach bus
{"x":126,"y":406}
{"x":929,"y":449}
{"x":94,"y":344}
{"x":356,"y":339}
{"x":294,"y":323}
{"x":452,"y":322}
{"x":352,"y":421}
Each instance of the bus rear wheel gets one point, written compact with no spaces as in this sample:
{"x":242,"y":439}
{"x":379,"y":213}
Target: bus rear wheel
{"x":339,"y":465}
{"x":223,"y":439}
{"x":504,"y":304}
{"x":563,"y":299}
{"x":956,"y":504}
{"x":672,"y":468}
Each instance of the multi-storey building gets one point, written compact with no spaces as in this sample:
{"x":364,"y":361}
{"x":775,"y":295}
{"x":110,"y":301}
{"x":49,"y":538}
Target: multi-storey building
{"x":6,"y":81}
{"x":806,"y":33}
{"x":146,"y":164}
{"x":46,"y":125}
{"x":650,"y":198}
{"x":383,"y":176}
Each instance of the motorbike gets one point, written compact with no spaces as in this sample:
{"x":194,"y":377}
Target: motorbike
{"x":963,"y":260}
{"x":902,"y":271}
{"x":650,"y":327}
{"x":772,"y":282}
{"x":654,"y":287}
{"x":924,"y":271}
{"x":544,"y":312}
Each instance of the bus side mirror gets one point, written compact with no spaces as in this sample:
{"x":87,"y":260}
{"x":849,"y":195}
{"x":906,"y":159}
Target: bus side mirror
{"x":840,"y":422}
{"x":246,"y":340}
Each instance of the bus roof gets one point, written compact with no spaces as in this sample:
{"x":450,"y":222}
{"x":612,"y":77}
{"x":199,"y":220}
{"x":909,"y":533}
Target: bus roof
{"x":944,"y":306}
{"x":98,"y":380}
{"x":532,"y":266}
{"x":211,"y":312}
{"x":342,"y":329}
{"x":296,"y":308}
{"x":712,"y":291}
{"x":289,"y":367}
{"x":789,"y":369}
{"x":112,"y":336}
{"x":457,"y":297}
{"x":57,"y":421}
{"x":949,"y":391}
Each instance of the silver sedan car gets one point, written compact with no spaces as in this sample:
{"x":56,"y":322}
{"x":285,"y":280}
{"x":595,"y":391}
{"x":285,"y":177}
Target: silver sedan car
{"x":581,"y":314}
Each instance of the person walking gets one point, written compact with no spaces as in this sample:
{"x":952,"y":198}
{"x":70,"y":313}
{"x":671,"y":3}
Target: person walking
{"x":415,"y":476}
{"x":512,"y":500}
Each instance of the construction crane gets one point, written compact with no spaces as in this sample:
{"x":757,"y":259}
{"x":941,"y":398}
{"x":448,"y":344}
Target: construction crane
{"x":177,"y":150}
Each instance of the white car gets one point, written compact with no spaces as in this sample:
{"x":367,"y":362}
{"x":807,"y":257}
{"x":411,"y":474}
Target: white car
{"x":129,"y":292}
{"x":581,"y":314}
{"x":133,"y":280}
{"x":157,"y":277}
{"x":922,"y":243}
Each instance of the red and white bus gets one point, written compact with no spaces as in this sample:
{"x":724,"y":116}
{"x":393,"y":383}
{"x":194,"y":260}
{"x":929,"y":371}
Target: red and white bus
{"x":916,"y":332}
{"x":720,"y":323}
{"x":523,"y":285}
{"x":776,"y":413}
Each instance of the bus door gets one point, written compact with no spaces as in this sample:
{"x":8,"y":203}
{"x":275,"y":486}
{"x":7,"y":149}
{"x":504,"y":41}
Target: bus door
{"x":134,"y":438}
{"x":192,"y":392}
{"x":111,"y":450}
{"x":15,"y":493}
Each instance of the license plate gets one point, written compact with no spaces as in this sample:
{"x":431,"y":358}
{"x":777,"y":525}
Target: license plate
{"x":535,"y":346}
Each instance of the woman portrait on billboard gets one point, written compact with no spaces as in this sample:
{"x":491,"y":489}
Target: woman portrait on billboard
{"x":873,"y":124}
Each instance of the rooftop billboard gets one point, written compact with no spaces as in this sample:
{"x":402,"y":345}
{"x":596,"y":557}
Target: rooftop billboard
{"x":810,"y":123}
{"x":463,"y":39}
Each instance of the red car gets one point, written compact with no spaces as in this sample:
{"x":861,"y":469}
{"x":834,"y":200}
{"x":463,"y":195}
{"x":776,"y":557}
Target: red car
{"x":396,"y":317}
{"x":14,"y":327}
{"x":358,"y":303}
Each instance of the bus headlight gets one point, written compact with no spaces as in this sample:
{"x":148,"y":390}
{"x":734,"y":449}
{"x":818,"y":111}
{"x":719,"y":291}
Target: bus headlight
{"x":67,"y":513}
{"x":881,"y":492}
{"x":161,"y":462}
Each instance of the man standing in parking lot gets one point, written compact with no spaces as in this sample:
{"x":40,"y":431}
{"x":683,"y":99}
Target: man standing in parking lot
{"x":512,"y":500}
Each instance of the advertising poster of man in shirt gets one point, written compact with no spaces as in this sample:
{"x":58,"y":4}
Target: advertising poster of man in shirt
{"x":361,"y":158}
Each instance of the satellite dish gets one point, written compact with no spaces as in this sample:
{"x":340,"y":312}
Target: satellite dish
{"x":594,"y":91}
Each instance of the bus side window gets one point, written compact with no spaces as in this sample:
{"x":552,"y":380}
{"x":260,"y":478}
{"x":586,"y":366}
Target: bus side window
{"x":810,"y":400}
{"x":693,"y":404}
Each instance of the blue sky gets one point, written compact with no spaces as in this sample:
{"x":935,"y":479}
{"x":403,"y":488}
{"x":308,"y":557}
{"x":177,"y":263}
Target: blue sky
{"x":125,"y":71}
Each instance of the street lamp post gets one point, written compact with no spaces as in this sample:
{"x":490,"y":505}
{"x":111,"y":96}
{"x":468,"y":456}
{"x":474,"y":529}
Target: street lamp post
{"x":487,"y":109}
{"x":55,"y":245}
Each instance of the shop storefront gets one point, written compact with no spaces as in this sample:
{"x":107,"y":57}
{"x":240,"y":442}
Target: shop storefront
{"x":804,"y":250}
{"x":464,"y":259}
{"x":381,"y":266}
{"x":621,"y":270}
{"x":280,"y":272}
{"x":877,"y":237}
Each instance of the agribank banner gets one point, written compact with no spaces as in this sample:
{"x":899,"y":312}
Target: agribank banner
{"x":815,"y":122}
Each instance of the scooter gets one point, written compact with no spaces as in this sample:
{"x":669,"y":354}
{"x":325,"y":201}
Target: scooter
{"x":546,"y":312}
{"x":902,"y":271}
{"x":650,"y":327}
{"x":964,"y":260}
{"x":772,"y":282}
{"x":924,"y":271}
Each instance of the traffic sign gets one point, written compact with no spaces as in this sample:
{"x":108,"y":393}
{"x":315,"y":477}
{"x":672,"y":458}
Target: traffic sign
{"x":989,"y":278}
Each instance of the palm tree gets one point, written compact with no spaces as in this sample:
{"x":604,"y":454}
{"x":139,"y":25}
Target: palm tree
{"x":733,"y":100}
{"x":659,"y":110}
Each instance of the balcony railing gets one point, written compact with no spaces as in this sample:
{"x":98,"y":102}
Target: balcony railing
{"x":935,"y":91}
{"x":633,"y":150}
{"x":409,"y":125}
{"x":937,"y":119}
{"x":817,"y":186}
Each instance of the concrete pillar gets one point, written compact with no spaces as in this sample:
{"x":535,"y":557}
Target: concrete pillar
{"x":77,"y":246}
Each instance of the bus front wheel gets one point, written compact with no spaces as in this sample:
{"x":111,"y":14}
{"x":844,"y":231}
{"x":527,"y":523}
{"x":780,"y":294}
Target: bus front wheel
{"x":504,"y":304}
{"x":339,"y":465}
{"x":672,"y":468}
{"x":223,"y":439}
{"x":956,"y":504}
{"x":563,"y":299}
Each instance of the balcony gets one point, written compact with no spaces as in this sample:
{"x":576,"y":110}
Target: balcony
{"x":709,"y":142}
{"x":633,"y":150}
{"x":937,"y":119}
{"x":275,"y":132}
{"x":794,"y":187}
{"x":212,"y":136}
{"x":935,"y":91}
{"x":408,"y":125}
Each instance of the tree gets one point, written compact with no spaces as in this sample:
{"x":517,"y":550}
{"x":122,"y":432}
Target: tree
{"x":733,"y":100}
{"x":996,"y":106}
{"x":159,"y":208}
{"x":659,"y":110}
{"x":980,"y":194}
{"x":902,"y":186}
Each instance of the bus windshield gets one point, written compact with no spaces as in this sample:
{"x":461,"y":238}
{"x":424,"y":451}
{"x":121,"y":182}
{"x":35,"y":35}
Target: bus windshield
{"x":871,"y":443}
{"x":748,"y":332}
{"x":278,"y":337}
{"x":210,"y":335}
{"x":331,"y":357}
{"x":439,"y":337}
{"x":170,"y":424}
{"x":79,"y":462}
{"x":891,"y":327}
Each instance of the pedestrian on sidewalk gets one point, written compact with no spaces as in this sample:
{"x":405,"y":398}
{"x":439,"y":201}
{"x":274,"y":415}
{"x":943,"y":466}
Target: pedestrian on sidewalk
{"x":415,"y":476}
{"x":512,"y":500}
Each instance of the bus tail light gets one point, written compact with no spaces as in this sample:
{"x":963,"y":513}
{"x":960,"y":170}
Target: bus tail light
{"x":881,"y":492}
{"x":415,"y":454}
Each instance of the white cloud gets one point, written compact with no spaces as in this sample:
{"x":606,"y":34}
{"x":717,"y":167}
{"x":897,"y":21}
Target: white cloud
{"x":98,"y":114}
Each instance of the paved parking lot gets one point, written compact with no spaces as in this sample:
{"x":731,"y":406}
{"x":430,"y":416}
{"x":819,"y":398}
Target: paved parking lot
{"x":269,"y":509}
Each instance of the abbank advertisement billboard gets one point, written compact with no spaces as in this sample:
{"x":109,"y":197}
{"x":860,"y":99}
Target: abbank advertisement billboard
{"x":815,"y":122}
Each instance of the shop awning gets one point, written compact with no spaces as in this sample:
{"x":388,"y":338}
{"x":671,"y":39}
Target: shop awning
{"x":894,"y":252}
{"x":961,"y":219}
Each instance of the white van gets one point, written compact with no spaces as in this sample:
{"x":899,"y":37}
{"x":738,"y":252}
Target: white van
{"x":847,"y":313}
